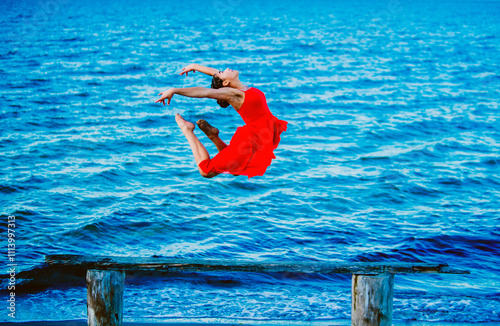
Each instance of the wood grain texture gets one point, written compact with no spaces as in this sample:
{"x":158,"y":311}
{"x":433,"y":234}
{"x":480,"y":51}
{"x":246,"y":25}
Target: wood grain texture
{"x":372,"y":298}
{"x":201,"y":265}
{"x":105,"y":297}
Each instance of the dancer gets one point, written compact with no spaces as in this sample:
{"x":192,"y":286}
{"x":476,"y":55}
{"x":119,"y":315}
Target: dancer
{"x":250,"y":150}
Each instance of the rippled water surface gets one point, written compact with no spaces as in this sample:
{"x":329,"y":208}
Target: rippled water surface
{"x":391,"y":154}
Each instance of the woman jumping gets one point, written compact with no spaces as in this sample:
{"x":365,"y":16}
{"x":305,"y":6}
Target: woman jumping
{"x":250,"y":150}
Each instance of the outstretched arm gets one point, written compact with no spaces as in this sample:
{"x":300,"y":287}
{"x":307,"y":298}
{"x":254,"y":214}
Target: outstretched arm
{"x":196,"y":67}
{"x":227,"y":94}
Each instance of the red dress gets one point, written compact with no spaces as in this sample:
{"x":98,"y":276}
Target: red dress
{"x":250,"y":150}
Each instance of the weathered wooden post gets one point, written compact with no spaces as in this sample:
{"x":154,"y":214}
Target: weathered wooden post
{"x":372,"y":299}
{"x":105,"y":297}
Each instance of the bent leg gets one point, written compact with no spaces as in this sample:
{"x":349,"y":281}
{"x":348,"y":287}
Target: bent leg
{"x":200,"y":153}
{"x":212,"y":133}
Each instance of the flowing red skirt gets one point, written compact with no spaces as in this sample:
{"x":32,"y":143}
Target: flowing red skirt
{"x":250,"y":150}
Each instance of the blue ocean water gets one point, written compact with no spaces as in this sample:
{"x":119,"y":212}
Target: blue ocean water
{"x":391,"y":154}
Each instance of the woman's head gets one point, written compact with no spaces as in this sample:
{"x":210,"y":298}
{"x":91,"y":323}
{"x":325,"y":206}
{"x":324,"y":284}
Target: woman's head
{"x":229,"y":77}
{"x":226,"y":78}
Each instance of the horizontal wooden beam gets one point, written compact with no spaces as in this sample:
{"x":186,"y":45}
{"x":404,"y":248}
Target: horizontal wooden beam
{"x":201,"y":265}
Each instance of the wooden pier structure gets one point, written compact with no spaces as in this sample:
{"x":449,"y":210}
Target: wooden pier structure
{"x":372,"y":283}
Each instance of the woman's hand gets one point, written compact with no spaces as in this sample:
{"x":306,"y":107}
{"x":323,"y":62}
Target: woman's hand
{"x":187,"y":69}
{"x":196,"y":67}
{"x":168,"y":94}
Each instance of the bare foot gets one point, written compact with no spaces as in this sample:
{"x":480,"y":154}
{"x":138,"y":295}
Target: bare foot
{"x":208,"y":129}
{"x":183,"y":124}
